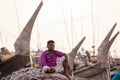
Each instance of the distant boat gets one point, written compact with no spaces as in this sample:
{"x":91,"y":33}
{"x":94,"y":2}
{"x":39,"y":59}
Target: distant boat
{"x":99,"y":71}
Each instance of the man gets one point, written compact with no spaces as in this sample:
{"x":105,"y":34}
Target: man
{"x":48,"y":60}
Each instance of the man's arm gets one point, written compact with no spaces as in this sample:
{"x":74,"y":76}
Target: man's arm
{"x":43,"y":60}
{"x":66,"y":58}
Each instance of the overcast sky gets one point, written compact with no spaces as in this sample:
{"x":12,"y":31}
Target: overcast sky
{"x":65,"y":21}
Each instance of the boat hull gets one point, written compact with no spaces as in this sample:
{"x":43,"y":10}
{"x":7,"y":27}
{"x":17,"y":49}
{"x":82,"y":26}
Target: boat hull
{"x":14,"y":63}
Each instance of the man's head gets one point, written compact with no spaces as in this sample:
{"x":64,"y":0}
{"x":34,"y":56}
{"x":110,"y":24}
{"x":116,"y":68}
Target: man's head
{"x":51,"y":45}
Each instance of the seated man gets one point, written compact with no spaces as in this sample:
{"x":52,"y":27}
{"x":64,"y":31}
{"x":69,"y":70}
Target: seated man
{"x":48,"y":60}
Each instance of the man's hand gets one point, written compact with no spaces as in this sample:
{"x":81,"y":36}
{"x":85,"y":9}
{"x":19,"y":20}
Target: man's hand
{"x":51,"y":70}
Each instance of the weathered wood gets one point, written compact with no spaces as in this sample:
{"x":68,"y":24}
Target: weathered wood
{"x":105,"y":46}
{"x":90,"y":71}
{"x":73,"y":53}
{"x":22,"y":44}
{"x":14,"y":63}
{"x":22,"y":48}
{"x":99,"y":71}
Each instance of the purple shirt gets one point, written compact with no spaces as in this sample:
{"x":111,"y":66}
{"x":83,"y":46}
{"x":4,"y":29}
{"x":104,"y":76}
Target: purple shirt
{"x":47,"y":60}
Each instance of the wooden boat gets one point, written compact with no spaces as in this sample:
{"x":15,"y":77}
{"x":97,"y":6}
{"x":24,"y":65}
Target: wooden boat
{"x":101,"y":69}
{"x":12,"y":64}
{"x":94,"y":72}
{"x":21,"y":58}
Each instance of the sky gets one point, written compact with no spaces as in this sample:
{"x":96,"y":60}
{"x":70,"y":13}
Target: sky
{"x":65,"y":21}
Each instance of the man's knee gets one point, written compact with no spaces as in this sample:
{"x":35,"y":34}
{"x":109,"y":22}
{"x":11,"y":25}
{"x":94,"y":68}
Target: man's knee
{"x":45,"y":68}
{"x":66,"y":64}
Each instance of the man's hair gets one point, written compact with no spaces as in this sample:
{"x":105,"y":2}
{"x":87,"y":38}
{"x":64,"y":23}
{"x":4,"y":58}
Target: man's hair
{"x":50,"y":41}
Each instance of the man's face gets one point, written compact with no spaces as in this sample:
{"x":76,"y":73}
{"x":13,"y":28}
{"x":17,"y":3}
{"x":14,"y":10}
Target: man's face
{"x":51,"y":46}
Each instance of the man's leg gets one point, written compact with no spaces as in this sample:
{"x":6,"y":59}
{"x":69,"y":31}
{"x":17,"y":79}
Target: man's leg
{"x":59,"y":66}
{"x":45,"y":68}
{"x":63,"y":65}
{"x":66,"y":68}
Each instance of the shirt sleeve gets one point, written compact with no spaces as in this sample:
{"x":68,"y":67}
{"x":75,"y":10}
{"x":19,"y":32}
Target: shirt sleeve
{"x":60,"y":54}
{"x":43,"y":59}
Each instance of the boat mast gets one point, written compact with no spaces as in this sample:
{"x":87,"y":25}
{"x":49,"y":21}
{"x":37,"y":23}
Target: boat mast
{"x":38,"y":38}
{"x":93,"y":28}
{"x":65,"y":26}
{"x":17,"y":17}
{"x":1,"y":39}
